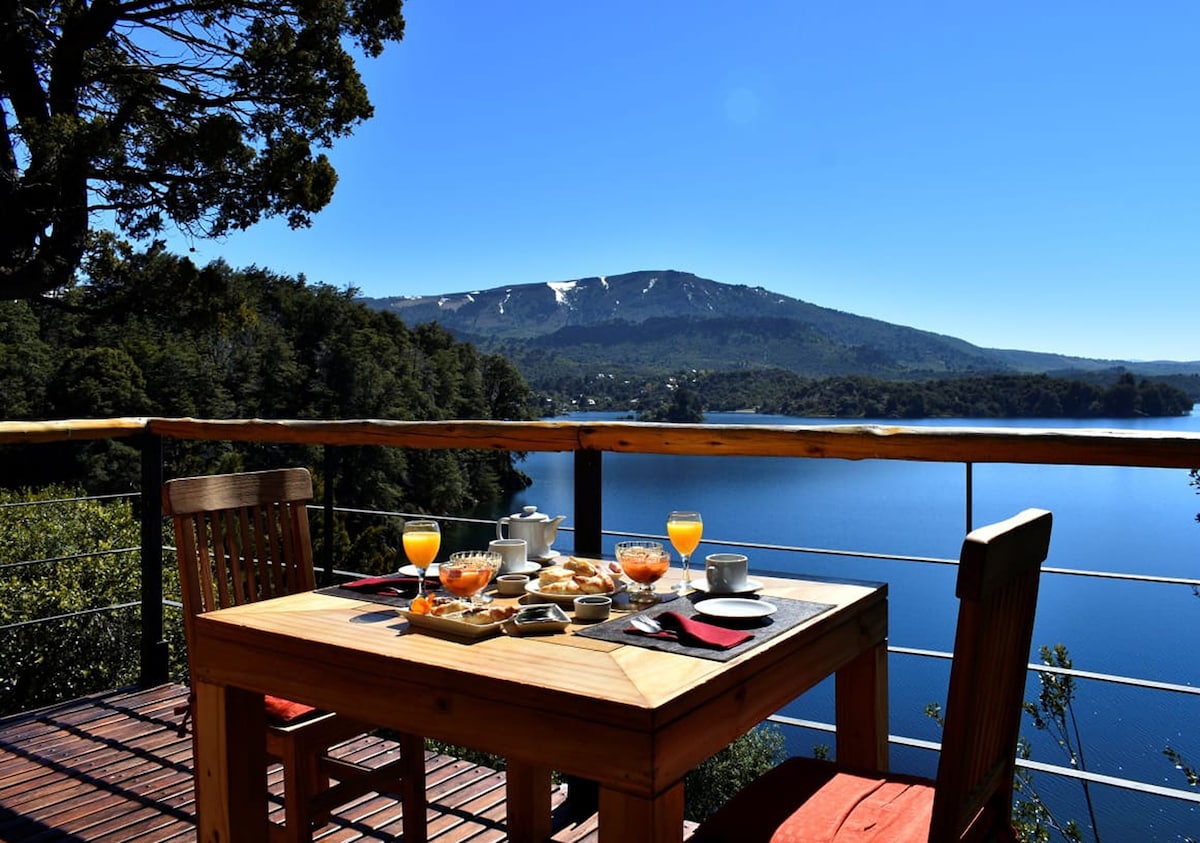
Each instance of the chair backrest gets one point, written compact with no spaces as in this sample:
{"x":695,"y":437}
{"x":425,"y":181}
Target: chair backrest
{"x":999,"y":571}
{"x":240,"y":537}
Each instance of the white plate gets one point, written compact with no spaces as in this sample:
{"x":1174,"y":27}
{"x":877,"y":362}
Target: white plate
{"x":752,"y":586}
{"x":524,"y":568}
{"x":735,"y":607}
{"x":552,"y":554}
{"x":431,"y":573}
{"x":569,"y":599}
{"x":451,"y":626}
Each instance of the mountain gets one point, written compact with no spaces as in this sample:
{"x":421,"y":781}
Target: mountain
{"x":669,"y":320}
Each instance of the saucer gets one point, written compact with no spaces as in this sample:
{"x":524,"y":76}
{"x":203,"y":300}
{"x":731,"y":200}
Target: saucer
{"x":553,"y":554}
{"x":527,"y":567}
{"x":430,"y":573}
{"x":752,"y":586}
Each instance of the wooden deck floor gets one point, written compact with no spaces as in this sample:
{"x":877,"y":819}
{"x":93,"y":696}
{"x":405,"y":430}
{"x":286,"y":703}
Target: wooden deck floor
{"x":115,"y":768}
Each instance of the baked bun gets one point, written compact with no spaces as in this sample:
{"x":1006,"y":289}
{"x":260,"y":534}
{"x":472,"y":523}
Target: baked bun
{"x":575,"y":576}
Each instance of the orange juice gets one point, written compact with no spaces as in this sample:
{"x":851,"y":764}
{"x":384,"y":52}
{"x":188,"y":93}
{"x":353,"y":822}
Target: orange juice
{"x":421,"y":548}
{"x":685,"y":535}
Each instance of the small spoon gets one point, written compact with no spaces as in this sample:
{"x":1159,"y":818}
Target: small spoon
{"x":645,"y":624}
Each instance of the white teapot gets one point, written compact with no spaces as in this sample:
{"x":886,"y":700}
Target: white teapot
{"x":537,"y":529}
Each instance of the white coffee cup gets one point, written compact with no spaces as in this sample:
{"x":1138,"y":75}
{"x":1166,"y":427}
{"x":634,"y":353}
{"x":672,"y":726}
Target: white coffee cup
{"x":512,"y":554}
{"x":726,"y":572}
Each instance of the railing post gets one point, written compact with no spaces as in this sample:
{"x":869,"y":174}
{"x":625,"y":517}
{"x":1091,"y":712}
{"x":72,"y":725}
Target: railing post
{"x":588,"y":502}
{"x":331,"y":470}
{"x":583,"y":796}
{"x":970,"y":496}
{"x":154,"y":645}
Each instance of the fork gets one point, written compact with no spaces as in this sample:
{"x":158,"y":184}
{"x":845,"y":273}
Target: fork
{"x":645,"y":624}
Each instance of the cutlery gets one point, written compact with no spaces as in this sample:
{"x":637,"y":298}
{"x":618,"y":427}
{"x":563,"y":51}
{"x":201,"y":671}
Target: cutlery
{"x":645,"y":624}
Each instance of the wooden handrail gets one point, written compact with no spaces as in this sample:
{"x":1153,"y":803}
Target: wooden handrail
{"x":1049,"y":446}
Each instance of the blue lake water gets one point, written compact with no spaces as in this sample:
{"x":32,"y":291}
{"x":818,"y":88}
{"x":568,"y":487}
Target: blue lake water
{"x":1138,"y":521}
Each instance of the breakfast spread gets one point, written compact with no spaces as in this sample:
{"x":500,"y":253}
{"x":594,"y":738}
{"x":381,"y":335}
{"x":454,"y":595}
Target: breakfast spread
{"x":576,"y":576}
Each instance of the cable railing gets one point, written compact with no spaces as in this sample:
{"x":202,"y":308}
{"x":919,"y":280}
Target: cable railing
{"x":589,"y":441}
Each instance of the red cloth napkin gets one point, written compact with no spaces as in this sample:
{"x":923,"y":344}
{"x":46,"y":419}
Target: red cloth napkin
{"x":695,"y":633}
{"x":376,"y":585}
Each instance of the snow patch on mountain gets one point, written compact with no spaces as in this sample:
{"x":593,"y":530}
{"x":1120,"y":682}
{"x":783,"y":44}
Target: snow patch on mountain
{"x":561,"y":288}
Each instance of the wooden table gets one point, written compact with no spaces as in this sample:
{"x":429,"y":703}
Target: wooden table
{"x":633,"y":719}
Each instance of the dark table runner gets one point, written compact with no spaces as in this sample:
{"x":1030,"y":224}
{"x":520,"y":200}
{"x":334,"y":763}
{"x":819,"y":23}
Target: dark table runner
{"x":367,"y":596}
{"x":788,"y":614}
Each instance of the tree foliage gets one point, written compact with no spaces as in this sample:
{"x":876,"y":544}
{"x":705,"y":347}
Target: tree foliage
{"x":156,"y":335}
{"x":208,"y":114}
{"x":785,"y":393}
{"x":75,"y":567}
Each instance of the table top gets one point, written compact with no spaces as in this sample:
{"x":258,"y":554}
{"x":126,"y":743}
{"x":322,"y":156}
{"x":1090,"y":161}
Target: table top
{"x":371,"y":638}
{"x":364,"y":659}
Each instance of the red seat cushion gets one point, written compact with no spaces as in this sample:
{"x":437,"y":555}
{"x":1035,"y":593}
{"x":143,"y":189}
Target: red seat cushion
{"x":861,"y":809}
{"x":805,"y":801}
{"x":281,"y":711}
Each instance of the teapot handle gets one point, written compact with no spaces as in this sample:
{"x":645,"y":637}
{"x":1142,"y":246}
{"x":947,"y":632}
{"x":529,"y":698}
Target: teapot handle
{"x":500,"y":527}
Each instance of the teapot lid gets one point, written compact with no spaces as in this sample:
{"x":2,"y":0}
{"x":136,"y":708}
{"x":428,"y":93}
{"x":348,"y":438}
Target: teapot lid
{"x":529,"y":513}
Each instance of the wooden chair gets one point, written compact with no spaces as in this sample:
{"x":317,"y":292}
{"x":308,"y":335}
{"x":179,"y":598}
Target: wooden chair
{"x":245,"y":537}
{"x":971,"y":799}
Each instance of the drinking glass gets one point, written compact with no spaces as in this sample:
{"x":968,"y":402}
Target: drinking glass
{"x":422,"y":539}
{"x":645,"y":563}
{"x":685,"y":528}
{"x":468,"y":572}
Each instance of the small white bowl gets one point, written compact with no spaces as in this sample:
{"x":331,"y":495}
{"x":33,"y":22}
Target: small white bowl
{"x":511,"y":585}
{"x":592,"y":607}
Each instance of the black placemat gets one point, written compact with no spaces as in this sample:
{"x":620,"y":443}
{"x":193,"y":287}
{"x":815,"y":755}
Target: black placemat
{"x":788,"y":613}
{"x":401,"y":600}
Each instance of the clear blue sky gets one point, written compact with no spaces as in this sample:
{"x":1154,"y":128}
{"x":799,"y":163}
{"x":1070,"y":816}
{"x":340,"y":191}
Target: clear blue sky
{"x":1017,"y":174}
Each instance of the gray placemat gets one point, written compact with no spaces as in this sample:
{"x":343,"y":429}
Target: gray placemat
{"x":369,"y":597}
{"x":788,"y":614}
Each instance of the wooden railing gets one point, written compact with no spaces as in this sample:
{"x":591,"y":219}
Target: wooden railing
{"x":588,"y":441}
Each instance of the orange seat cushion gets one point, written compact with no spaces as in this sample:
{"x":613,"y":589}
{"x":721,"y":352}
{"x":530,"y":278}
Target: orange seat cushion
{"x":806,"y":801}
{"x":281,"y":711}
{"x":861,"y":809}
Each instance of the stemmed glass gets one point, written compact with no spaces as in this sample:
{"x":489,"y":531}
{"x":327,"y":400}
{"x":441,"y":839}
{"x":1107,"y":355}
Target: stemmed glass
{"x":468,"y":572}
{"x":685,"y":528}
{"x":645,"y":563}
{"x":422,"y":540}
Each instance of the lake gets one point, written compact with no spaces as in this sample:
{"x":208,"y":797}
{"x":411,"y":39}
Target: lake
{"x":1135,"y":521}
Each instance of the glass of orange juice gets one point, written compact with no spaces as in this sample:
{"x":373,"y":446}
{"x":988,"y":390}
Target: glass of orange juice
{"x":422,"y":539}
{"x":684,"y":528}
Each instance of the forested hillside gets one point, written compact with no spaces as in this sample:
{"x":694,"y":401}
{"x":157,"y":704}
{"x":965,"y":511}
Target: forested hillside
{"x":683,"y":396}
{"x":152,"y":334}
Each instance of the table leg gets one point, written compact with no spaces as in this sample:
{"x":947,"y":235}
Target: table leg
{"x":229,"y":744}
{"x":528,"y":793}
{"x":861,"y":708}
{"x":634,"y":819}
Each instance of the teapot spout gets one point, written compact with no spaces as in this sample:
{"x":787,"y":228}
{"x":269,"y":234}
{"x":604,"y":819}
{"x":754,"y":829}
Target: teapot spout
{"x":552,"y":529}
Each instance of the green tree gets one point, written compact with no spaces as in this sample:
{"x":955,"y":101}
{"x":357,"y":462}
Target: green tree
{"x":75,"y":571}
{"x":207,"y":115}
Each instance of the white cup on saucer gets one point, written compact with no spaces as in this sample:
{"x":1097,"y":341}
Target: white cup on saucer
{"x":727,"y":572}
{"x":512,"y":554}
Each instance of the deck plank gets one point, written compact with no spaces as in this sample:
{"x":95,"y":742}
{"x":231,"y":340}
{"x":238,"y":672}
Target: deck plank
{"x":114,"y":768}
